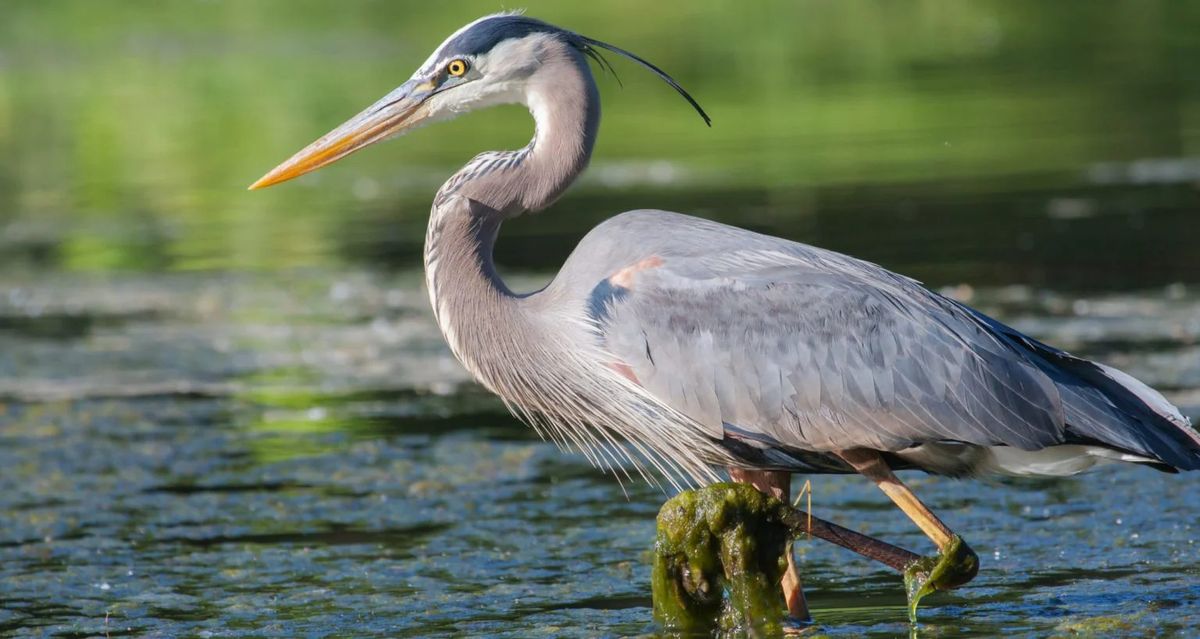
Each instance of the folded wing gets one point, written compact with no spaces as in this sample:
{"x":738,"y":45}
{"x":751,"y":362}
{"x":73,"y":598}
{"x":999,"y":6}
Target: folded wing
{"x":818,"y":352}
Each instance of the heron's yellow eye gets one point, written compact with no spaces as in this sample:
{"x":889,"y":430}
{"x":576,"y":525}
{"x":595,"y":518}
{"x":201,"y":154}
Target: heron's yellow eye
{"x":457,"y":68}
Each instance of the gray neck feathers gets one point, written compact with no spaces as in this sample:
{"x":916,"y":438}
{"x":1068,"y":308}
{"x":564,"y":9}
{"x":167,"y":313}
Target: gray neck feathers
{"x":536,"y":351}
{"x":565,"y":105}
{"x":482,"y":320}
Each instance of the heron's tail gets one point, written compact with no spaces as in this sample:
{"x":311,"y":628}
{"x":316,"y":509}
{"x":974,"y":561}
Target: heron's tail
{"x":1107,"y":407}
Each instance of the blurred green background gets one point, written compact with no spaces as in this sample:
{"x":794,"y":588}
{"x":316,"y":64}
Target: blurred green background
{"x":989,"y":141}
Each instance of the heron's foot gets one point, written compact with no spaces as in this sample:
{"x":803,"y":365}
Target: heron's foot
{"x":954,"y":566}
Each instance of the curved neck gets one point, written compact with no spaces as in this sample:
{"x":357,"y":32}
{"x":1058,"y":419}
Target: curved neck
{"x":481,"y":319}
{"x":565,"y":104}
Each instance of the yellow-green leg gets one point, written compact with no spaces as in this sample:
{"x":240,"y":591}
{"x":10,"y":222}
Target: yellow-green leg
{"x":964,"y":562}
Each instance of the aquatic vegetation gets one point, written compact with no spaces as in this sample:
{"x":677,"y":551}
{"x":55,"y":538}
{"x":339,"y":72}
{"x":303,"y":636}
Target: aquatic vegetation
{"x":726,"y":538}
{"x":721,"y":551}
{"x":946,"y":570}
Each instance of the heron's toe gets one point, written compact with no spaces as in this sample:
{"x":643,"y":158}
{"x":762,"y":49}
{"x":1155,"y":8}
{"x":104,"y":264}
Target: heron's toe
{"x":959,"y":565}
{"x":954,"y":566}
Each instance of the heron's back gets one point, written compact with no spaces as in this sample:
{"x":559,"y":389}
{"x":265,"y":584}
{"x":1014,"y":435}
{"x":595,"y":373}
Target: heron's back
{"x":786,"y":352}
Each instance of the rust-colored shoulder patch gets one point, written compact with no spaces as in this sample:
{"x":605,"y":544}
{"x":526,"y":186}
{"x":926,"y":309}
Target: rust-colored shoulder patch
{"x":626,"y":371}
{"x":624,"y":277}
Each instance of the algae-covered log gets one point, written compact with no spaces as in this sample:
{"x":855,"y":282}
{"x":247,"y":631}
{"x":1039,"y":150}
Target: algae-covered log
{"x":726,"y":536}
{"x":720,"y":555}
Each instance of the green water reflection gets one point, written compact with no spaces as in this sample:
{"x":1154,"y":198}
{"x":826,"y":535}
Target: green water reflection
{"x":128,"y":130}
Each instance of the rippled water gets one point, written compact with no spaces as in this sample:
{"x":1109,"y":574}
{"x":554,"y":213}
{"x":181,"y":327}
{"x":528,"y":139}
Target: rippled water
{"x":261,"y":455}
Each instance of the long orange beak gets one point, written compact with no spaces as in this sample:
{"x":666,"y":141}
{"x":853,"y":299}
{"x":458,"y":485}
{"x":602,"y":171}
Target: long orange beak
{"x":399,"y":111}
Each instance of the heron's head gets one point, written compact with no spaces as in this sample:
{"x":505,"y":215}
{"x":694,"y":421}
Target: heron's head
{"x":494,"y":60}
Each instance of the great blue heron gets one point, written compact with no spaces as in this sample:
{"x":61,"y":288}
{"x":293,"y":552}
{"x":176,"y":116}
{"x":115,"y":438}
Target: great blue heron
{"x":698,"y":344}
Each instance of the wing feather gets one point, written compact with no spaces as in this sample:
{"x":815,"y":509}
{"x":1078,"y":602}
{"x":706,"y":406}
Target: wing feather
{"x":785,"y":343}
{"x":823,"y":358}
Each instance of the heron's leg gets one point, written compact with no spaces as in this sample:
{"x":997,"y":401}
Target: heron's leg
{"x":872,"y":465}
{"x":778,"y":484}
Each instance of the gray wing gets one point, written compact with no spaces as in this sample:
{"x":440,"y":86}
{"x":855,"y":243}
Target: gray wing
{"x":787,"y":344}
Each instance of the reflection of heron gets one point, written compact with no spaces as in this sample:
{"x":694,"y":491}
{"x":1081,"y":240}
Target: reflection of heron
{"x":699,"y":344}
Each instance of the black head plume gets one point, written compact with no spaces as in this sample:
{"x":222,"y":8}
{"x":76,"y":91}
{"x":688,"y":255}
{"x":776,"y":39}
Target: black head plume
{"x":485,"y":34}
{"x":589,"y":48}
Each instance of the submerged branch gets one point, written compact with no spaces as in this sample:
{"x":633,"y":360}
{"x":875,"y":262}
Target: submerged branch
{"x":894,"y":557}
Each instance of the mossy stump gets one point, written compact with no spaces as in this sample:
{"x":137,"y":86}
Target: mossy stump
{"x":721,"y":552}
{"x":727,"y":537}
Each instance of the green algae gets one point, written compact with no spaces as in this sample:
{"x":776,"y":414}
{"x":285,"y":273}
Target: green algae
{"x":719,"y":556}
{"x":721,"y":552}
{"x":953,"y":567}
{"x":1125,"y":625}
